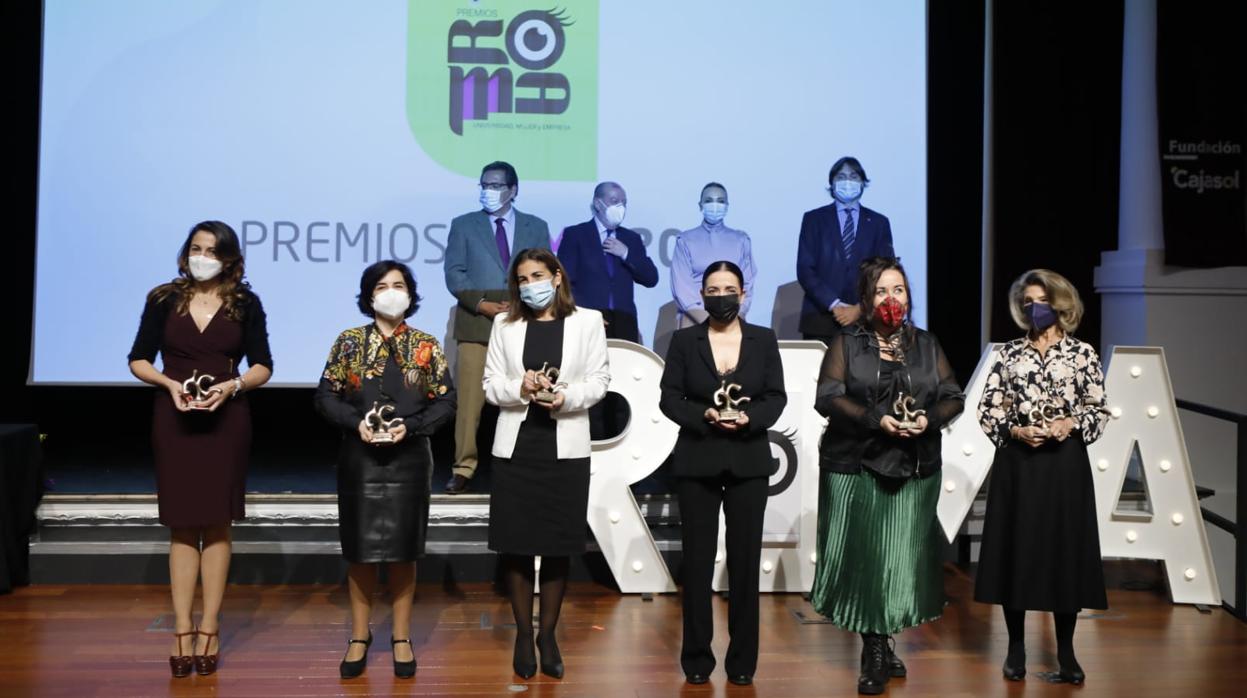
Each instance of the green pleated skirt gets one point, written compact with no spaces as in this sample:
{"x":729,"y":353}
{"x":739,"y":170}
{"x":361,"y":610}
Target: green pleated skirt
{"x":879,"y":567}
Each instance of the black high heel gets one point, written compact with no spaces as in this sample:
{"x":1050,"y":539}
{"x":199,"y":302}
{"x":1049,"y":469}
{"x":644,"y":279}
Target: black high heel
{"x":551,"y":659}
{"x":351,"y":670}
{"x":525,"y":667}
{"x":403,"y":670}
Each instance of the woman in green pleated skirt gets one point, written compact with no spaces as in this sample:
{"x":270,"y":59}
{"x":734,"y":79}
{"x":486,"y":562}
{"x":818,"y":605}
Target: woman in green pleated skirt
{"x":879,"y":553}
{"x":886,"y":389}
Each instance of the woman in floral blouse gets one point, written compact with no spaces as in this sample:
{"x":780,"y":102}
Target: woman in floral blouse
{"x":387,"y":387}
{"x":1043,"y":403}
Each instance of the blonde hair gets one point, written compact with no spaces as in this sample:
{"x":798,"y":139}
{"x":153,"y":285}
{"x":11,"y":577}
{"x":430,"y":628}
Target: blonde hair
{"x":1062,"y":296}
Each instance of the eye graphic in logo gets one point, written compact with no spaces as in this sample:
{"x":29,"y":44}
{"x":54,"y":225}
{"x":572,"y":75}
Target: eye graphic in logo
{"x":785,"y":467}
{"x":535,"y":38}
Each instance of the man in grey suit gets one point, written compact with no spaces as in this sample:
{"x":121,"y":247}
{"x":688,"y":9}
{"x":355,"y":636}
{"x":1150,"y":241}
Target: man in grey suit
{"x":478,"y":256}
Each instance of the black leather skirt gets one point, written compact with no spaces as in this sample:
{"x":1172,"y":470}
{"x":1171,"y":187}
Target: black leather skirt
{"x":383,"y":499}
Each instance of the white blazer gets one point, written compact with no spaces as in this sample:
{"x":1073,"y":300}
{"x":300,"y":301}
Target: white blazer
{"x":585,"y":368}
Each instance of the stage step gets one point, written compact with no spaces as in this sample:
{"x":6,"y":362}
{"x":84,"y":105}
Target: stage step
{"x":293,"y":539}
{"x":286,"y":539}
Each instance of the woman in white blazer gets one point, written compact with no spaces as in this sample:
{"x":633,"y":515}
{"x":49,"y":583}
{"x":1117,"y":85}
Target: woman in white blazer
{"x":540,"y":496}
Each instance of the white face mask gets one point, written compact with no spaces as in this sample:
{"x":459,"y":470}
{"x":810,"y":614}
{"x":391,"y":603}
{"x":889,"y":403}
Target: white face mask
{"x":203,"y":268}
{"x":847,"y":191}
{"x":612,"y":216}
{"x":714,"y":211}
{"x":391,"y":303}
{"x":491,"y":200}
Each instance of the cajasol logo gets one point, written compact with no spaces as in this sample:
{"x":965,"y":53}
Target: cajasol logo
{"x":505,"y":80}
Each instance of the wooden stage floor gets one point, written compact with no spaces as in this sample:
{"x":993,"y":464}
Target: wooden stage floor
{"x":287,"y":641}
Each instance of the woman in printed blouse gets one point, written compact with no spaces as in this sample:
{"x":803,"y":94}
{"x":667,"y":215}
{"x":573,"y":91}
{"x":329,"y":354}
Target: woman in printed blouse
{"x":383,"y":485}
{"x":1043,"y":404}
{"x":202,"y":324}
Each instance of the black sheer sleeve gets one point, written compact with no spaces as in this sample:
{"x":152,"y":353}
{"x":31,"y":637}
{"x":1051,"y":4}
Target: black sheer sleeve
{"x":151,"y":331}
{"x":255,"y":335}
{"x":845,"y":412}
{"x":949,"y":400}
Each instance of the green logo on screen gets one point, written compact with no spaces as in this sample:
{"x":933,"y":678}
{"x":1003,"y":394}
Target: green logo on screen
{"x":504,"y":80}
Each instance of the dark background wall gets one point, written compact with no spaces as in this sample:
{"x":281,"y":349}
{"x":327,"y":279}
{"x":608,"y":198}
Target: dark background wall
{"x":1056,"y":116}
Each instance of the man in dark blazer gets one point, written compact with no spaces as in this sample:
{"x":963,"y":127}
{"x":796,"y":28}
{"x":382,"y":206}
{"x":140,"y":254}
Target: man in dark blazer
{"x":604,"y":260}
{"x":834,"y":241}
{"x":478,"y":255}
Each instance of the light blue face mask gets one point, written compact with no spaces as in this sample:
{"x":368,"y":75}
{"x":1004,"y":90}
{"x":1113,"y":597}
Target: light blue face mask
{"x":713,"y":211}
{"x":847,"y":191}
{"x":538,"y":294}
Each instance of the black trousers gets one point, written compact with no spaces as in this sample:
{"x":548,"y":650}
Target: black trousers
{"x":744,"y":503}
{"x":609,"y":417}
{"x":621,"y":325}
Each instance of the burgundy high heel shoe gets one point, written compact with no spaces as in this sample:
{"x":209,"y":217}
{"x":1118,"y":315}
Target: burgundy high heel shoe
{"x":205,"y":664}
{"x":180,"y":664}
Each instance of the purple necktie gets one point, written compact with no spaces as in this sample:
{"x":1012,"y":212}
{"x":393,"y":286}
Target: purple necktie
{"x":610,"y":258}
{"x":610,"y":271}
{"x":504,"y":250}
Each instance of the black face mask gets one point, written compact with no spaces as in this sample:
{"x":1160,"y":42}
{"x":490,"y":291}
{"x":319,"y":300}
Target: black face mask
{"x":722,"y":308}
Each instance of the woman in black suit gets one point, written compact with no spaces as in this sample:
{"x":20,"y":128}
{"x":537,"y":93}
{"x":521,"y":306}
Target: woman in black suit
{"x":722,"y":459}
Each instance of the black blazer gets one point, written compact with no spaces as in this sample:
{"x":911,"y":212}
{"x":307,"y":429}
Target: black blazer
{"x":688,"y":385}
{"x":823,"y":271}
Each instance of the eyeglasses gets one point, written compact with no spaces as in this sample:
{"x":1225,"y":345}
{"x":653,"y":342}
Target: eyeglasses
{"x":494,"y":186}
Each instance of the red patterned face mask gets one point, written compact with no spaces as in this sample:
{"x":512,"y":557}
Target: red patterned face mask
{"x":890,"y":313}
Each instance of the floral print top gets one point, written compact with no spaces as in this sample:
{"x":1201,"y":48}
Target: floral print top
{"x":407,"y":370}
{"x":1024,"y":388}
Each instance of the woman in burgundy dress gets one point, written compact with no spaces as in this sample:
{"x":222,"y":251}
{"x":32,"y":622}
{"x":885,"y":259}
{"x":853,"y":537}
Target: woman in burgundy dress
{"x":202,"y":324}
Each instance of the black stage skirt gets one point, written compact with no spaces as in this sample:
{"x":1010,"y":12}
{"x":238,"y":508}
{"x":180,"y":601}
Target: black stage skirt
{"x":1041,"y":544}
{"x":383,"y":499}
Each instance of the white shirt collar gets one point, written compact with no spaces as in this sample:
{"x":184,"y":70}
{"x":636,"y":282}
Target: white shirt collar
{"x":508,"y":219}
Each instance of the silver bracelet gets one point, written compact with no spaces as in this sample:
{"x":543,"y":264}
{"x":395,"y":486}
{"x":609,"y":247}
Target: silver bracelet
{"x":238,"y":386}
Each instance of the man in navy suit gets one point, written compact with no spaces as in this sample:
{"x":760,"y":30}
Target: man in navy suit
{"x":478,"y":255}
{"x":834,"y":240}
{"x":604,"y":260}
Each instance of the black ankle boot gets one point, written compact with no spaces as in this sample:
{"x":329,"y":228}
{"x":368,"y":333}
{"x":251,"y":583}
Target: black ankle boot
{"x":875,"y":671}
{"x":1015,"y":662}
{"x":551,"y":658}
{"x":896,"y":668}
{"x":523,"y":661}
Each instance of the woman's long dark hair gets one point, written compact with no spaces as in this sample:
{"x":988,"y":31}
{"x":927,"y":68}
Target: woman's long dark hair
{"x":868,"y":276}
{"x":233,"y":288}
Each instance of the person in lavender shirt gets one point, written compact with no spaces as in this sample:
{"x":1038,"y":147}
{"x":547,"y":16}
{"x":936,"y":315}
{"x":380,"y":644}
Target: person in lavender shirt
{"x":698,"y":248}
